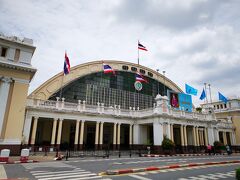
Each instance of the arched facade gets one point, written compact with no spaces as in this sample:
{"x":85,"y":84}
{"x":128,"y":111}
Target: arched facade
{"x":88,"y":109}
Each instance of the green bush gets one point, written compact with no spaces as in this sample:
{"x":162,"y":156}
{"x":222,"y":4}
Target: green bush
{"x":218,"y":145}
{"x":238,"y":173}
{"x":167,"y":144}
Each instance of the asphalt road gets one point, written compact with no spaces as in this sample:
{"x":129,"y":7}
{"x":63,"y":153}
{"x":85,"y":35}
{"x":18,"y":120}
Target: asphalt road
{"x":79,"y":168}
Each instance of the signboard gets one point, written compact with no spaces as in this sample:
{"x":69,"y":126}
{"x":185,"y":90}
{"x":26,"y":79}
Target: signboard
{"x":138,"y":85}
{"x":185,"y":101}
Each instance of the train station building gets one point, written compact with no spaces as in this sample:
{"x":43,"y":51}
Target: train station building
{"x":88,"y":109}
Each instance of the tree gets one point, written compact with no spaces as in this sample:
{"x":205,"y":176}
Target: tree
{"x":167,"y":144}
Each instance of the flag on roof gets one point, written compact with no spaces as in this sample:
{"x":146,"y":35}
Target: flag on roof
{"x":66,"y":67}
{"x":203,"y":95}
{"x":190,"y":90}
{"x":140,"y":46}
{"x":140,"y":78}
{"x":222,"y":97}
{"x":107,"y":69}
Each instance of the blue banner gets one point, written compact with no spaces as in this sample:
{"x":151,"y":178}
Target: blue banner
{"x":185,"y":102}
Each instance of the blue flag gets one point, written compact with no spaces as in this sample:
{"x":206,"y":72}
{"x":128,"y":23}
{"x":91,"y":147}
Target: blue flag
{"x":191,"y":90}
{"x":222,"y":97}
{"x":203,"y":95}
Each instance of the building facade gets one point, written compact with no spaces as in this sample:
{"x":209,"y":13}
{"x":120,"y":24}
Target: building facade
{"x":226,"y":112}
{"x":88,"y":109}
{"x":16,"y":73}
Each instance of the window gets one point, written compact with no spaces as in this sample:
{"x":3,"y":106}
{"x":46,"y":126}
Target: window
{"x":133,"y":69}
{"x":125,"y":67}
{"x":150,"y":74}
{"x":142,"y":71}
{"x":17,"y":55}
{"x":3,"y":51}
{"x":221,"y":106}
{"x":225,"y":105}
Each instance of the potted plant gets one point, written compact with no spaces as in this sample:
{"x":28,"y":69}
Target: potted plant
{"x":167,"y":145}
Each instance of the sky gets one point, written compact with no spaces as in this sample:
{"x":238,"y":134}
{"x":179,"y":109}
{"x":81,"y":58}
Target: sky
{"x":194,"y":41}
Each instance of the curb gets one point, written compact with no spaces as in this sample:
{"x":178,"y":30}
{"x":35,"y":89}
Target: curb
{"x":173,"y":166}
{"x":160,"y":155}
{"x":18,"y":162}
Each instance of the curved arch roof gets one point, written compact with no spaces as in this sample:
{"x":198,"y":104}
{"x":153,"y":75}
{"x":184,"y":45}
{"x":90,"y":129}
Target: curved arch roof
{"x":55,"y":83}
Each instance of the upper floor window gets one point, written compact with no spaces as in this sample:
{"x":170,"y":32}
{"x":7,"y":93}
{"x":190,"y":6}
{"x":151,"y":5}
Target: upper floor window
{"x":142,"y":71}
{"x":221,"y":106}
{"x":125,"y":67}
{"x":150,"y":74}
{"x":225,"y":105}
{"x":3,"y":52}
{"x":133,"y":69}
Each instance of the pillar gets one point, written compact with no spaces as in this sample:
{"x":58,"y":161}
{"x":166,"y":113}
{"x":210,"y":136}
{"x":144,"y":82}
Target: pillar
{"x":130,"y":135}
{"x":96,"y":135}
{"x":34,"y":130}
{"x":194,"y":137}
{"x":206,"y":136}
{"x":157,"y":133}
{"x":182,"y":135}
{"x":168,"y":131}
{"x":59,"y":135}
{"x":101,"y":135}
{"x":114,"y":135}
{"x":224,"y":138}
{"x":171,"y":129}
{"x":27,"y":129}
{"x":76,"y":134}
{"x":4,"y":90}
{"x":210,"y":135}
{"x":118,"y":135}
{"x":197,"y":136}
{"x":136,"y":134}
{"x":53,"y":138}
{"x":185,"y":135}
{"x":81,"y":135}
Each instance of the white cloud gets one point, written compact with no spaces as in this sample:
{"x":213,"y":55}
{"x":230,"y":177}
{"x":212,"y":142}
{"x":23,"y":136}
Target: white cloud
{"x":194,"y":41}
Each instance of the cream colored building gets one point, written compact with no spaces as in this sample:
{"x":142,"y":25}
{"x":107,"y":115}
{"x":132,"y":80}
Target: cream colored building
{"x":227,"y":112}
{"x":16,"y":73}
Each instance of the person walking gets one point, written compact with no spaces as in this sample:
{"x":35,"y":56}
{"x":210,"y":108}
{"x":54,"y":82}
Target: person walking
{"x":209,"y":149}
{"x":228,"y":149}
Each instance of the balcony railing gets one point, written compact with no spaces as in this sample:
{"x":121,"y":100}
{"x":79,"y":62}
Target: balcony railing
{"x":81,"y":106}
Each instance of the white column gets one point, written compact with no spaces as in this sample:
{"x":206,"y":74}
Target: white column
{"x":210,"y":136}
{"x":234,"y":137}
{"x":4,"y":90}
{"x":157,"y":133}
{"x":216,"y":134}
{"x":119,"y":134}
{"x":53,"y":139}
{"x":27,"y":129}
{"x":136,"y":134}
{"x":76,"y":132}
{"x":182,"y":135}
{"x":101,"y":134}
{"x":59,"y":135}
{"x":172,"y":136}
{"x":185,"y":135}
{"x":194,"y":136}
{"x":168,"y":130}
{"x":34,"y":130}
{"x":114,"y":133}
{"x":197,"y":136}
{"x":130,"y":134}
{"x":81,"y":133}
{"x":97,"y":133}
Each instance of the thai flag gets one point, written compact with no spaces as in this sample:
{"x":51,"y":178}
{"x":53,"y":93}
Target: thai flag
{"x":66,"y":67}
{"x":140,"y":78}
{"x":140,"y":46}
{"x":108,"y":69}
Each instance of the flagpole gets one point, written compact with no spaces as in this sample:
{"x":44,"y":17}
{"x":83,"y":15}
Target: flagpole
{"x":205,"y":87}
{"x":210,"y":95}
{"x":138,"y":53}
{"x":61,"y":86}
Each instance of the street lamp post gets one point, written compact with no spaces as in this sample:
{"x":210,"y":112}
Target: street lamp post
{"x":164,"y":83}
{"x":157,"y":80}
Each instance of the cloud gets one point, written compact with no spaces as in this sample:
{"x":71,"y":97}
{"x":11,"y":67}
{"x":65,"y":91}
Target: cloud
{"x":194,"y":41}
